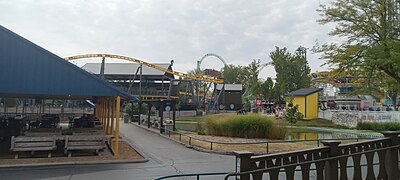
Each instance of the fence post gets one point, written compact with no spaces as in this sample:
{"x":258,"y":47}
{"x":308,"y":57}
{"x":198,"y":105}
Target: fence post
{"x":243,"y":163}
{"x":331,"y":170}
{"x":211,"y":145}
{"x":391,"y":158}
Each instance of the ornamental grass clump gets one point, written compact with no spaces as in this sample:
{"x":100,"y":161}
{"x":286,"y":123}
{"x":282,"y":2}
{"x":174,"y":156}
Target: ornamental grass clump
{"x":379,"y":126}
{"x":244,"y":126}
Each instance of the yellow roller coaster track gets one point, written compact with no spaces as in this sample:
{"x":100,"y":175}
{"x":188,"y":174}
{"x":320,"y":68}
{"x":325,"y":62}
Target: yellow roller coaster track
{"x":183,"y":75}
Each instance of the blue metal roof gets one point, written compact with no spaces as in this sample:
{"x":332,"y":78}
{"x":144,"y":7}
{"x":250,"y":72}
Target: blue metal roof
{"x":26,"y":69}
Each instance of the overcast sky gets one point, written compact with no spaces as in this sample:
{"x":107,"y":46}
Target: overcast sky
{"x":161,"y":30}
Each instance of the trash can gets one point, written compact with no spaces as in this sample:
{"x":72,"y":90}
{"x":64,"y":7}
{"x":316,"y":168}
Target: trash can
{"x":126,"y":118}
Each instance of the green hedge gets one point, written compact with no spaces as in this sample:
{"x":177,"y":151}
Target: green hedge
{"x":376,"y":126}
{"x":245,"y":126}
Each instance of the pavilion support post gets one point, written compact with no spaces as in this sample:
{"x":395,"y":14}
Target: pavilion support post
{"x":148,"y":114}
{"x":174,"y":115}
{"x":139,"y":107}
{"x":139,"y":111}
{"x":161,"y":114}
{"x":114,"y":103}
{"x":110,"y":126}
{"x":96,"y":110}
{"x":104,"y":112}
{"x":116,"y":144}
{"x":108,"y":114}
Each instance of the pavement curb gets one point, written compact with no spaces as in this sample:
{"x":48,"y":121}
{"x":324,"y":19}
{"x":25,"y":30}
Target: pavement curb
{"x":73,"y":163}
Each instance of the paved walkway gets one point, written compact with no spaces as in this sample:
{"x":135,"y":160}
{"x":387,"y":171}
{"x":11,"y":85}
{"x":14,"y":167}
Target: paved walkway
{"x":166,"y":157}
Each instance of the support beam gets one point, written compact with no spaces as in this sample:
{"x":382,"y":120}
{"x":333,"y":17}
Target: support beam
{"x":161,"y":114}
{"x":116,"y":143}
{"x":174,"y":115}
{"x":102,"y":68}
{"x":103,"y":114}
{"x":109,"y":105}
{"x":114,"y":104}
{"x":110,"y":127}
{"x":133,"y":80}
{"x":139,"y":110}
{"x":148,"y":114}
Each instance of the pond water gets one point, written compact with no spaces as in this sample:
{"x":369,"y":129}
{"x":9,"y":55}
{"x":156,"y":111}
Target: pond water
{"x":292,"y":133}
{"x":305,"y":134}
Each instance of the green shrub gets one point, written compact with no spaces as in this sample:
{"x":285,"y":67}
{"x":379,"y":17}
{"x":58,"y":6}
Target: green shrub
{"x":133,"y":109}
{"x":378,"y":126}
{"x":245,"y":126}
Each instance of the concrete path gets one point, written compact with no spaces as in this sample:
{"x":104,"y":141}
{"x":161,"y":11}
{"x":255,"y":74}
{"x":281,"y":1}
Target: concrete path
{"x":166,"y":157}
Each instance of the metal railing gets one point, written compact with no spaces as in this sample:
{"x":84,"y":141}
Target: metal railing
{"x":198,"y":175}
{"x":211,"y":145}
{"x":229,"y":174}
{"x":330,"y":162}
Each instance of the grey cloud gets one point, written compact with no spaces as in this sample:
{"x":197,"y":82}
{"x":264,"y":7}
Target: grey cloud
{"x":160,"y":30}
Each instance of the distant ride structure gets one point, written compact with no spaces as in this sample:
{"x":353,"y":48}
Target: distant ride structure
{"x":180,"y":74}
{"x":210,"y":55}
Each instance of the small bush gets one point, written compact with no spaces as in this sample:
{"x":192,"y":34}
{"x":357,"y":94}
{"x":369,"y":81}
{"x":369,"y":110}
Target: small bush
{"x":244,"y":126}
{"x":377,"y":126}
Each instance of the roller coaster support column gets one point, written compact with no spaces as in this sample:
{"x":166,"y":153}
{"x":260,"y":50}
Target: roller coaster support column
{"x":133,"y":80}
{"x":102,"y":68}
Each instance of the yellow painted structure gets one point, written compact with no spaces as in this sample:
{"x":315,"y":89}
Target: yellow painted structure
{"x":307,"y":101}
{"x":108,"y":112}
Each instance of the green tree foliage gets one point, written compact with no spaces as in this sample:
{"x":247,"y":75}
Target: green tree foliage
{"x":246,"y":75}
{"x":368,"y":34}
{"x":133,"y":109}
{"x":292,"y":114}
{"x":250,"y":80}
{"x":233,"y":74}
{"x":291,"y":71}
{"x":267,"y":89}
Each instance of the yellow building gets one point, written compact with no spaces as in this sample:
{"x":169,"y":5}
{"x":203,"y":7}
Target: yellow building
{"x":307,"y":100}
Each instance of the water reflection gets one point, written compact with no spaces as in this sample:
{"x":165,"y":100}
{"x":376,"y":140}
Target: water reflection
{"x":295,"y":134}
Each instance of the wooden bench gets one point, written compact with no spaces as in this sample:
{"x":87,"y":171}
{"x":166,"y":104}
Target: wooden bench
{"x":84,"y":142}
{"x":32,"y":144}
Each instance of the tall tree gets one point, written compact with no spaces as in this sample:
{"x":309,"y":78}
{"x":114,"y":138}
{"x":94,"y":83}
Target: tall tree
{"x":291,"y":71}
{"x":251,"y":81}
{"x":233,"y":74}
{"x":369,"y":36}
{"x":267,"y":89}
